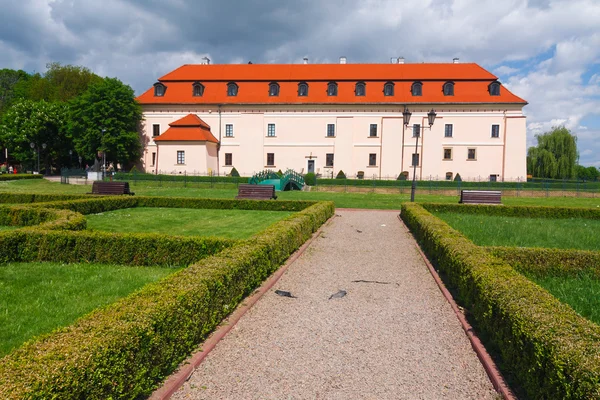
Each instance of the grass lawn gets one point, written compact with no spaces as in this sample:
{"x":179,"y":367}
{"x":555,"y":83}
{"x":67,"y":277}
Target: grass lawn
{"x":487,"y":230}
{"x":232,"y":224}
{"x":36,"y":298}
{"x":582,"y":293}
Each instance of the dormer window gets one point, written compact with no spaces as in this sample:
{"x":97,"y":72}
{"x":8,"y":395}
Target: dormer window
{"x":360,"y":89}
{"x":494,"y":89}
{"x":198,"y":89}
{"x":159,"y":89}
{"x":232,"y":89}
{"x":273,"y":89}
{"x":332,"y":89}
{"x":303,"y":89}
{"x":388,"y":89}
{"x":417,"y":89}
{"x":448,"y":89}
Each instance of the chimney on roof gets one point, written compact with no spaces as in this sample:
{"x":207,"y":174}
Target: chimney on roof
{"x":393,"y":60}
{"x":343,"y":60}
{"x":400,"y":60}
{"x":205,"y":61}
{"x":305,"y":59}
{"x":455,"y":60}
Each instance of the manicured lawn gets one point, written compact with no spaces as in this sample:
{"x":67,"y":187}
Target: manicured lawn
{"x":36,"y":298}
{"x":487,"y":230}
{"x":582,"y":293}
{"x":232,"y":224}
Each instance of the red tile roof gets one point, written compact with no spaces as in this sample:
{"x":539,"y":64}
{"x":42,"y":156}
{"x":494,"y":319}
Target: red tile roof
{"x":188,"y":128}
{"x":471,"y":84}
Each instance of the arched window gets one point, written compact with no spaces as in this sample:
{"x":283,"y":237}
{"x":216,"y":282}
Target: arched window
{"x":232,"y":89}
{"x":360,"y":89}
{"x":388,"y":89}
{"x":273,"y":89}
{"x":494,"y":89}
{"x":159,"y":89}
{"x":332,"y":89}
{"x":417,"y":89}
{"x":198,"y":89}
{"x":302,"y":89}
{"x":448,"y":89}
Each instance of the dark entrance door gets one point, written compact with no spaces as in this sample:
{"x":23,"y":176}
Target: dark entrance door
{"x":311,"y":166}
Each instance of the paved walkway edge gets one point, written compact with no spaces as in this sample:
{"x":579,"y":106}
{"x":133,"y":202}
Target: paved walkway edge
{"x":187,"y":367}
{"x":488,"y":364}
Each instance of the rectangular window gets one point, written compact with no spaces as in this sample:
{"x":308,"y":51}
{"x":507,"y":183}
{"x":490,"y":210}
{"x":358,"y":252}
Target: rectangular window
{"x":448,"y":130}
{"x":447,"y":154}
{"x":229,"y":130}
{"x":153,"y":159}
{"x":330,"y":130}
{"x":372,"y":160}
{"x":448,"y":176}
{"x":471,"y":155}
{"x":271,"y":130}
{"x":180,"y":157}
{"x":416,"y":130}
{"x":155,"y":130}
{"x":415,"y":160}
{"x":270,"y":159}
{"x":495,"y":131}
{"x":329,"y":160}
{"x":228,"y":159}
{"x":493,"y":178}
{"x":373,"y":130}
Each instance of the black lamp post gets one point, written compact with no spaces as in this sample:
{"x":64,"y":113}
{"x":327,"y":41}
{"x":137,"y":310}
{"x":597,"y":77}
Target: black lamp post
{"x":431,"y":119}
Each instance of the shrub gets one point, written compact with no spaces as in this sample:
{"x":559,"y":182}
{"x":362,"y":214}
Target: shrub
{"x":15,"y":177}
{"x":341,"y":175}
{"x":310,"y":179}
{"x":457,"y":178}
{"x":37,"y":198}
{"x":279,"y":173}
{"x":402,"y":176}
{"x":234,"y":173}
{"x":516,"y":211}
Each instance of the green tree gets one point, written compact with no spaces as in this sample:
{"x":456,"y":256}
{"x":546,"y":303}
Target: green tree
{"x":587,"y":173}
{"x":9,"y":79}
{"x":40,"y":123}
{"x":106,"y":118}
{"x":555,"y":156}
{"x":69,"y":81}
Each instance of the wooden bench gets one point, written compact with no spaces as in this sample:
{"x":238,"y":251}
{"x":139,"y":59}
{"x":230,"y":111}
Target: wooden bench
{"x":111,"y":188}
{"x":256,"y":192}
{"x":480,"y":197}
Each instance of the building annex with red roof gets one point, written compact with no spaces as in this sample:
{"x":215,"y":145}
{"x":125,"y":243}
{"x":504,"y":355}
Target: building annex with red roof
{"x":324,"y":118}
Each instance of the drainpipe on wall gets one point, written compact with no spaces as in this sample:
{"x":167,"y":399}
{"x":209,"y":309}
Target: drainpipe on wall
{"x":219,"y":144}
{"x":156,"y":164}
{"x":504,"y":146}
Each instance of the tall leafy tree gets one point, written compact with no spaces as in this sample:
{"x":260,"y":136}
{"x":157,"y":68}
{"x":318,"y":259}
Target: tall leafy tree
{"x":9,"y":79}
{"x":555,"y":156}
{"x":105,"y":119}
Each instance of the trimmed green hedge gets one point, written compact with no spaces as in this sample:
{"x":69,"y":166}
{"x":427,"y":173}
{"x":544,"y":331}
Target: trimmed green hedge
{"x":515,"y":211}
{"x":553,"y":262}
{"x":42,"y":218}
{"x":124,"y":350}
{"x":16,"y":177}
{"x":22,"y":198}
{"x":133,"y":177}
{"x":548,"y":348}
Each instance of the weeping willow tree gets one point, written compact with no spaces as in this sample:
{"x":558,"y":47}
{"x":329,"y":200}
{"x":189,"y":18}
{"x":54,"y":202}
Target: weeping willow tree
{"x":555,"y":156}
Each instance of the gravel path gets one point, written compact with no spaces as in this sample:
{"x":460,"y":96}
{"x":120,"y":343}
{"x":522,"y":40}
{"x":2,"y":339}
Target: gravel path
{"x":397,"y":339}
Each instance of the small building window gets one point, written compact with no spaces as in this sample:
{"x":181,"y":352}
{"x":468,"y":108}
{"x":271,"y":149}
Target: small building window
{"x":372,"y":160}
{"x":448,"y":89}
{"x":273,"y":89}
{"x":303,"y":89}
{"x":153,"y":159}
{"x":449,"y":176}
{"x":228,"y":159}
{"x":270,"y":159}
{"x":447,"y":154}
{"x":448,"y":130}
{"x":494,"y":89}
{"x":416,"y":89}
{"x":271,"y":130}
{"x":329,"y":160}
{"x":228,"y":130}
{"x":198,"y":89}
{"x":360,"y":89}
{"x":232,"y":89}
{"x":416,"y":130}
{"x":155,"y":130}
{"x":373,"y":130}
{"x":493,"y":178}
{"x":180,"y":157}
{"x":330,"y":130}
{"x":388,"y":89}
{"x":415,"y":160}
{"x":332,"y":89}
{"x":159,"y":89}
{"x":471,"y":154}
{"x":495,"y":131}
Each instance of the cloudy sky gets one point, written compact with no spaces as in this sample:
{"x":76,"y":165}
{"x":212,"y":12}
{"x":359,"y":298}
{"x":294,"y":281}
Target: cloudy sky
{"x":545,"y":51}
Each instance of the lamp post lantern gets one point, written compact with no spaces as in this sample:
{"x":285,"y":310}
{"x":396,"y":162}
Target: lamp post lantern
{"x":406,"y":114}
